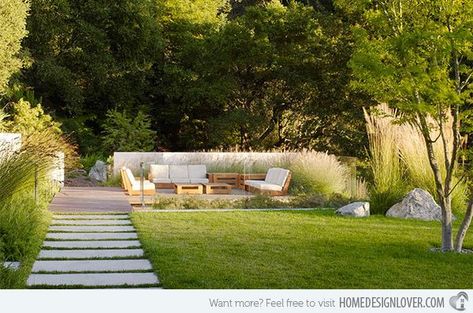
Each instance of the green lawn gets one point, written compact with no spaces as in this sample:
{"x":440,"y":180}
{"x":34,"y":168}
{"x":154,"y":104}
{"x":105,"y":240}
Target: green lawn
{"x":285,"y":249}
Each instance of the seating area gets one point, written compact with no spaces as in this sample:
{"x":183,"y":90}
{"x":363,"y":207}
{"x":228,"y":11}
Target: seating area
{"x":194,"y":179}
{"x":276,"y":183}
{"x":132,"y":185}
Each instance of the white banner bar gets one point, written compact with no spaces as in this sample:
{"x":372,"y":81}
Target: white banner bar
{"x":234,"y":301}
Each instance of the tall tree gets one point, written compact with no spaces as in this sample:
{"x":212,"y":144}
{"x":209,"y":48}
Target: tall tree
{"x":12,"y":30}
{"x":417,"y":55}
{"x":90,"y":56}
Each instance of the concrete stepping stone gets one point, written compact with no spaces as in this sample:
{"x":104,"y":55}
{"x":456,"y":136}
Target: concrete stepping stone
{"x":91,"y":222}
{"x":92,"y":228}
{"x":104,"y":244}
{"x":91,"y":216}
{"x":88,"y":254}
{"x":92,"y":280}
{"x":92,"y":266}
{"x":91,"y":236}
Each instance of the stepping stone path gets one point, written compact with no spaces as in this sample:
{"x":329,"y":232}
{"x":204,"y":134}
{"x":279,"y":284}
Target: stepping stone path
{"x":91,"y":250}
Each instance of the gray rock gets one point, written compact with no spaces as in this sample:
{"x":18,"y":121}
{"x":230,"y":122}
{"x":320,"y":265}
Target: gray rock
{"x":98,"y":172}
{"x":356,"y":209}
{"x":12,"y":265}
{"x":418,"y":204}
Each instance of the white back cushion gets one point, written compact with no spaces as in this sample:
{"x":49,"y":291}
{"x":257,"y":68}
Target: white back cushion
{"x":272,"y":176}
{"x":197,"y":171}
{"x":282,"y":177}
{"x":277,"y":176}
{"x":159,"y":171}
{"x":178,"y":171}
{"x":130,"y":175}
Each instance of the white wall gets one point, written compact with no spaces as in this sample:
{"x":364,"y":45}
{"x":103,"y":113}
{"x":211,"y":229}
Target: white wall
{"x":248,"y":159}
{"x":9,"y":143}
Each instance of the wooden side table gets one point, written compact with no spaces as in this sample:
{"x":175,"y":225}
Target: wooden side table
{"x":217,"y":188}
{"x":225,"y":178}
{"x":188,"y":189}
{"x":253,"y":176}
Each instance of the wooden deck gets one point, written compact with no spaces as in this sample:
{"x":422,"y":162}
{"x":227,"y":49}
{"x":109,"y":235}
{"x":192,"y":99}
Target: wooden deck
{"x":90,"y":199}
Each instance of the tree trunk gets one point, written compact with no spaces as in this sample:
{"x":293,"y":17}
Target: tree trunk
{"x":444,"y":197}
{"x":447,"y":238}
{"x":464,"y":227}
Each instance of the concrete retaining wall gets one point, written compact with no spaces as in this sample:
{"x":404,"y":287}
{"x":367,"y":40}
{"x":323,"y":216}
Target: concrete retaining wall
{"x":247,"y":160}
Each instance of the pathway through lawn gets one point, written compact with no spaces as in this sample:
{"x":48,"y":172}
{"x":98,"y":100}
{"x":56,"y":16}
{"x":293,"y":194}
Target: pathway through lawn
{"x":84,"y":248}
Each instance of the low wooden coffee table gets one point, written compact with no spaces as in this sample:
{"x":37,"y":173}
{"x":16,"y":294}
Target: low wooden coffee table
{"x":188,"y":189}
{"x":218,"y":188}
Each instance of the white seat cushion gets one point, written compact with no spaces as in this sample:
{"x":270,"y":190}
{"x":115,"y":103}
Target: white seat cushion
{"x":197,"y":171}
{"x":180,"y":181}
{"x":199,"y":181}
{"x":158,"y":171}
{"x":253,"y":182}
{"x":178,"y":172}
{"x":263,"y":185}
{"x":136,"y":186}
{"x":161,"y":180}
{"x":272,"y":187}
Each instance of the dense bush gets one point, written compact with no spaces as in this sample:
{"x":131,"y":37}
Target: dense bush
{"x":126,"y":133}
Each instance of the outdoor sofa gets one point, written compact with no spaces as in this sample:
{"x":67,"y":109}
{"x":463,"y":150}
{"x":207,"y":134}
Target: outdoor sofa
{"x":276,"y":183}
{"x":133,"y":185}
{"x":165,"y":176}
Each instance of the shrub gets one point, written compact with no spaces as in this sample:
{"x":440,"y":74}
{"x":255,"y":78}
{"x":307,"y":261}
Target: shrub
{"x":318,"y":173}
{"x":124,"y":133}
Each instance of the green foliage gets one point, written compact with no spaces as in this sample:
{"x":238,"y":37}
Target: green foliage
{"x":38,"y":129}
{"x":27,"y":120}
{"x":23,"y":223}
{"x":88,"y":160}
{"x":13,"y":28}
{"x":126,"y":133}
{"x":256,"y":202}
{"x":399,"y":161}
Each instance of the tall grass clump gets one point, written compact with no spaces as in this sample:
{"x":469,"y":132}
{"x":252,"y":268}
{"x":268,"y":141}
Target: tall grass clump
{"x":387,"y":186}
{"x":413,"y":152}
{"x":24,"y":217}
{"x":399,"y":161}
{"x":318,"y":173}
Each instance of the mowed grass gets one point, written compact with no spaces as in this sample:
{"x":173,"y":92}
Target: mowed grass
{"x":289,"y":249}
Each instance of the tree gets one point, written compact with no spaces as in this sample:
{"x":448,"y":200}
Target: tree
{"x":13,"y":28}
{"x":91,"y":56}
{"x":125,"y":133}
{"x":417,"y":56}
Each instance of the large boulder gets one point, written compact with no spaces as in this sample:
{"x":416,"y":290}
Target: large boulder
{"x":418,"y":204}
{"x":98,"y":172}
{"x":356,"y":209}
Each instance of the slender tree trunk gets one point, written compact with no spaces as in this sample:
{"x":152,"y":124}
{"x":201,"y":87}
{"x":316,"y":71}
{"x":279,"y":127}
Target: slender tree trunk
{"x":464,"y":227}
{"x":443,"y":196}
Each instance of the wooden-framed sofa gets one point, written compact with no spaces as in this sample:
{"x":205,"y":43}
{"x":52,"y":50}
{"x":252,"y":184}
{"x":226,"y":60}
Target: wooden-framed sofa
{"x":132,"y":185}
{"x":165,"y":176}
{"x":276,"y":183}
